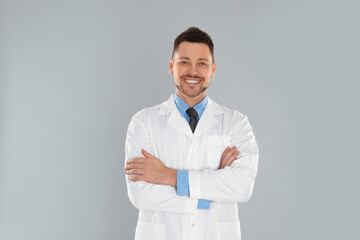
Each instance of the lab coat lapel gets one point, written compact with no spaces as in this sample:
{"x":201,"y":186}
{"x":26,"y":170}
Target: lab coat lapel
{"x":175,"y":119}
{"x":207,"y":119}
{"x":179,"y":123}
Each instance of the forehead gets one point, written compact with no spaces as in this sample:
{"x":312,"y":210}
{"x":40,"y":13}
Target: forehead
{"x":193,"y":51}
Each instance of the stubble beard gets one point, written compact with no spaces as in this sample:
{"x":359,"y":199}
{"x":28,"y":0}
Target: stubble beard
{"x":192,"y":95}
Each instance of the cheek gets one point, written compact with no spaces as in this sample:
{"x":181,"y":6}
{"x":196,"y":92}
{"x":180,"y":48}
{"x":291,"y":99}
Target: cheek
{"x":206,"y":73}
{"x":176,"y":73}
{"x":176,"y":76}
{"x":179,"y":72}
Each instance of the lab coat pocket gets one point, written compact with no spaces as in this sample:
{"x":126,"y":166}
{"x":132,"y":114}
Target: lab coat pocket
{"x":216,"y":144}
{"x":146,"y":231}
{"x":229,"y":230}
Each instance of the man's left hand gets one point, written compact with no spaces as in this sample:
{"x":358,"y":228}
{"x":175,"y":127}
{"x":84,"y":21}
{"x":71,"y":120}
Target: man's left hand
{"x":150,"y":169}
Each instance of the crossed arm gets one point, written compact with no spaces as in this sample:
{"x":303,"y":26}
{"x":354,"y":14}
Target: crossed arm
{"x":151,"y":169}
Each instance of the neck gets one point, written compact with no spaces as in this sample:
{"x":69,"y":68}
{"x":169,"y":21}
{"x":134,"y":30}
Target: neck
{"x":191,"y":101}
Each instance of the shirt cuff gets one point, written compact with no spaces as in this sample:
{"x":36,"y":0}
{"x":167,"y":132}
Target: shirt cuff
{"x":203,"y":204}
{"x":182,"y":182}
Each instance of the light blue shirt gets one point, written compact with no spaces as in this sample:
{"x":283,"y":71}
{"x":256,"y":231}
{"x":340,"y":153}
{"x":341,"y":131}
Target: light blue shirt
{"x":183,"y":106}
{"x":182,"y":181}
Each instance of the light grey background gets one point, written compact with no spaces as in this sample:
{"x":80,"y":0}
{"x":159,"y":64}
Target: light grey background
{"x":74,"y":72}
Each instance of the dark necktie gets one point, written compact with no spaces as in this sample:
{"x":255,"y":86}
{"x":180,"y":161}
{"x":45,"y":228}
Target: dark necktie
{"x":193,"y":118}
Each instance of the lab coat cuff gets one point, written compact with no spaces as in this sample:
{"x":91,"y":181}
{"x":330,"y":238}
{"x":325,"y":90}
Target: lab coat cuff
{"x":194,"y":184}
{"x":182,"y":182}
{"x":191,"y":206}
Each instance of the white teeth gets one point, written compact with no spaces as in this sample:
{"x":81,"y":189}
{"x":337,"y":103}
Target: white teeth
{"x":191,"y":81}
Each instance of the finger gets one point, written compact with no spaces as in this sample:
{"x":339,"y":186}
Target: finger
{"x":134,"y":172}
{"x":133,"y":166}
{"x":146,"y":154}
{"x":136,"y":178}
{"x":135,"y":160}
{"x":229,"y":153}
{"x":232,"y":158}
{"x":225,"y":156}
{"x":228,"y":159}
{"x":225,"y":151}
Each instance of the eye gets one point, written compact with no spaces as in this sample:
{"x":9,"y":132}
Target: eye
{"x":183,"y":62}
{"x":203,"y":64}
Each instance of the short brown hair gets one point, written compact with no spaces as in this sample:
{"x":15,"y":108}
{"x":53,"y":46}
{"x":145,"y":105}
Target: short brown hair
{"x":194,"y":34}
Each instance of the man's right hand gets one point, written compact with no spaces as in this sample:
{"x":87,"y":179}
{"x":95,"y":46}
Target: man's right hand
{"x":228,"y":156}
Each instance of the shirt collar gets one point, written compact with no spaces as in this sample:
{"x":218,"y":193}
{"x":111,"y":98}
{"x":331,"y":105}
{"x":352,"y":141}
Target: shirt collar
{"x":182,"y":106}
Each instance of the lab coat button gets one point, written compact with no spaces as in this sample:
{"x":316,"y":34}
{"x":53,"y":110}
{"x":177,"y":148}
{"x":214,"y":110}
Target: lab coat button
{"x":193,"y":225}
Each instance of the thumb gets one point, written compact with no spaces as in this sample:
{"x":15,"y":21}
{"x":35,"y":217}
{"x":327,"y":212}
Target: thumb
{"x":146,"y":154}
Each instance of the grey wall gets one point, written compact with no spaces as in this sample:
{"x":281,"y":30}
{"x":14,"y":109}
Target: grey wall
{"x":74,"y":72}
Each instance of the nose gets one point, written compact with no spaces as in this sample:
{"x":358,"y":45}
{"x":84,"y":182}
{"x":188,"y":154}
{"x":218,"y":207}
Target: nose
{"x":192,"y":71}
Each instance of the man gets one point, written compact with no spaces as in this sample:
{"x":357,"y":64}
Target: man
{"x":190,"y":160}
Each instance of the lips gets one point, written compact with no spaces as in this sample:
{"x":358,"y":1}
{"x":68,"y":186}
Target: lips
{"x":192,"y":80}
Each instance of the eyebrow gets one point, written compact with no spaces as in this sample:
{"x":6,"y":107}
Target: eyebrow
{"x":202,"y":59}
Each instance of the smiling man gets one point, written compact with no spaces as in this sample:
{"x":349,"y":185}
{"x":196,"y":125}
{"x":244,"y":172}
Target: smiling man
{"x":190,"y":160}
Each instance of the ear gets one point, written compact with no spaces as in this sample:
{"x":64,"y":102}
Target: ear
{"x":171,"y":65}
{"x":213,"y":70}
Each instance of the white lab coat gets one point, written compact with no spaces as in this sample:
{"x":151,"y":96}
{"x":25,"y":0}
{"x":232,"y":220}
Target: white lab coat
{"x":163,"y":132}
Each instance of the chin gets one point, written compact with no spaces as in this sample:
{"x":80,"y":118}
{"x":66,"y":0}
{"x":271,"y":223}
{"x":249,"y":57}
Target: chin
{"x":193,"y":95}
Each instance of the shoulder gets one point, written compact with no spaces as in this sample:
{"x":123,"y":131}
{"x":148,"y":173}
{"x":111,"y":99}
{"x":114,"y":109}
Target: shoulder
{"x":237,"y":121}
{"x":163,"y":108}
{"x":148,"y":110}
{"x":145,"y":113}
{"x":229,"y":113}
{"x":154,"y":111}
{"x":140,"y":120}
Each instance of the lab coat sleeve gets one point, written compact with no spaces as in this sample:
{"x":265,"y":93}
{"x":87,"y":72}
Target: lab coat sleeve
{"x":148,"y":196}
{"x":233,"y":183}
{"x":182,"y":188}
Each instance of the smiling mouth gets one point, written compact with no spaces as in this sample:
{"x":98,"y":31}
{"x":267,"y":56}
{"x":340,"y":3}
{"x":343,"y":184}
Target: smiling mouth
{"x":192,"y":80}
